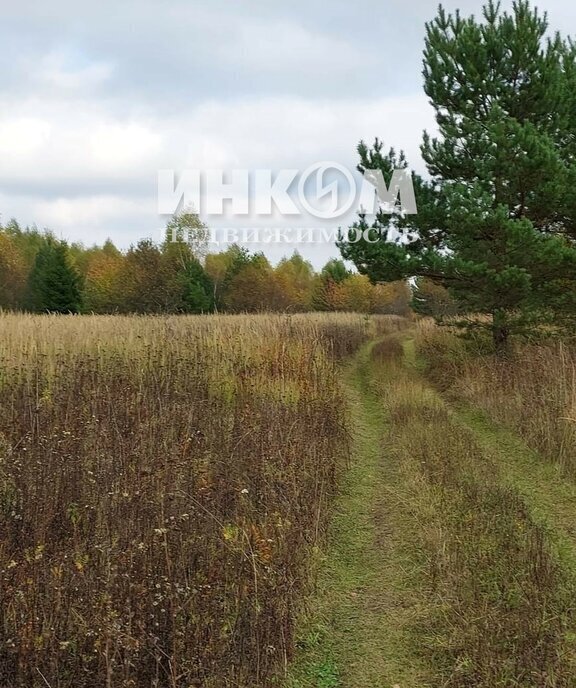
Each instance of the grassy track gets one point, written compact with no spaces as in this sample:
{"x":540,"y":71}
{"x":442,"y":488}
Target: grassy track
{"x":452,"y":552}
{"x":367,"y":596}
{"x":549,"y":496}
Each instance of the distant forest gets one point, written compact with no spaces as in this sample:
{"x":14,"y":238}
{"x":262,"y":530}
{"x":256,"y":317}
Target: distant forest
{"x":40,"y":273}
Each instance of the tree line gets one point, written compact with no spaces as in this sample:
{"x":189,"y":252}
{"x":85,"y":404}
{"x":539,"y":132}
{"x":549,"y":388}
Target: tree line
{"x":40,"y":273}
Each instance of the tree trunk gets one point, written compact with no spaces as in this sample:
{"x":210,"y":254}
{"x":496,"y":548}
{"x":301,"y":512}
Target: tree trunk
{"x":500,"y":333}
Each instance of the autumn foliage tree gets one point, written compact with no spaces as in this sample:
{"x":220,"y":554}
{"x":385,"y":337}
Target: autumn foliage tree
{"x":12,"y":274}
{"x":103,"y":292}
{"x":176,"y":276}
{"x":294,"y":278}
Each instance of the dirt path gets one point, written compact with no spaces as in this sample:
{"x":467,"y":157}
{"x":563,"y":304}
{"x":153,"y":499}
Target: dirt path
{"x":365,"y":601}
{"x":439,"y":510}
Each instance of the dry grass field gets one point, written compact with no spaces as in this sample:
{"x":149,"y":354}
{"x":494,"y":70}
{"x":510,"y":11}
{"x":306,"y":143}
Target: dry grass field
{"x":452,"y":558}
{"x":171,"y":489}
{"x":532,"y":391}
{"x":162,"y":484}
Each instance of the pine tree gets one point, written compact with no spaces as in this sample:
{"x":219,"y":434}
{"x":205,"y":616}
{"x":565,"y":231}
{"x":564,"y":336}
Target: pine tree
{"x":197,"y":289}
{"x":336,"y":271}
{"x":495,"y":220}
{"x":54,"y":285}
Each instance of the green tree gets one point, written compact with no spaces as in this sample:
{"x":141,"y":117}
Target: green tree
{"x":495,"y":220}
{"x":54,"y":285}
{"x":166,"y":278}
{"x":335,"y":270}
{"x":187,"y":228}
{"x":188,"y":286}
{"x":143,"y":280}
{"x":197,"y":288}
{"x":222,"y":268}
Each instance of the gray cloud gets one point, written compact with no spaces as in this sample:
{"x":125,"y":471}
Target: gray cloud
{"x":94,"y":99}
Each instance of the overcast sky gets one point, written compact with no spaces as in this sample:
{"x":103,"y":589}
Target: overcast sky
{"x":95,"y":99}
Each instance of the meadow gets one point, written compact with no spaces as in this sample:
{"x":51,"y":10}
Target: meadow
{"x":452,"y":552}
{"x":313,"y":501}
{"x":163,"y":482}
{"x":532,"y":391}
